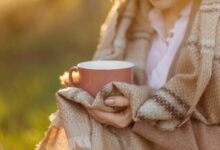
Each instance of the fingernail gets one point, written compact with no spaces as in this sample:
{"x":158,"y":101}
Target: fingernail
{"x":109,"y":101}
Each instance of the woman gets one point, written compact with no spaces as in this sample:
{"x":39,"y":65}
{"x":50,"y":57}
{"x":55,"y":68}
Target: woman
{"x":169,"y":19}
{"x":176,"y":53}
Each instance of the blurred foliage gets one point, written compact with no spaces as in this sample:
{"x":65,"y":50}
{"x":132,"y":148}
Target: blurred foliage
{"x":39,"y":40}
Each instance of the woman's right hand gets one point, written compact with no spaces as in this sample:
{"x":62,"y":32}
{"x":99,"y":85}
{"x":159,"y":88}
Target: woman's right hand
{"x":64,"y":79}
{"x":118,"y":120}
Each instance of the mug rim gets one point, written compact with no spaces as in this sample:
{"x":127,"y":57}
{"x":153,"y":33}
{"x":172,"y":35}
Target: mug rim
{"x":127,"y":64}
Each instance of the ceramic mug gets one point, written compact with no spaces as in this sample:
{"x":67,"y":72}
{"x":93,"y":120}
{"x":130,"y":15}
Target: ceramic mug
{"x":93,"y":75}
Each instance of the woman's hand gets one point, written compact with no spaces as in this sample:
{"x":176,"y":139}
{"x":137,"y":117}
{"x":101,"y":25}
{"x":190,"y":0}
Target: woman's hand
{"x":118,"y":120}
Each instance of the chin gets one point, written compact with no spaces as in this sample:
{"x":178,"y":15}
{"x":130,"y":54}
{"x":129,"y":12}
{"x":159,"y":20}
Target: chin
{"x":161,"y":4}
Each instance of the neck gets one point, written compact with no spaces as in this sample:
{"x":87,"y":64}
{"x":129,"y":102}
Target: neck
{"x":171,"y":15}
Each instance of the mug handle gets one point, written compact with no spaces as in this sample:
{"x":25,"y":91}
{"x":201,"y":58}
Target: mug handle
{"x":72,"y":83}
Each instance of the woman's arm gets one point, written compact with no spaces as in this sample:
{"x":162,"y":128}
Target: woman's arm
{"x":193,"y":135}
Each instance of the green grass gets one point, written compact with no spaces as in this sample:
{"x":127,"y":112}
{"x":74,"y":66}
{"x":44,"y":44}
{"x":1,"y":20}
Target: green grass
{"x":27,"y":98}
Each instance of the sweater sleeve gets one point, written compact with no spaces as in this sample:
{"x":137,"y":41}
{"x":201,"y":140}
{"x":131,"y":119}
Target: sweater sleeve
{"x":193,"y":135}
{"x":169,"y":106}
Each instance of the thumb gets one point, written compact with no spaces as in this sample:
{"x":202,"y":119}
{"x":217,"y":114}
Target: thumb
{"x":118,"y":101}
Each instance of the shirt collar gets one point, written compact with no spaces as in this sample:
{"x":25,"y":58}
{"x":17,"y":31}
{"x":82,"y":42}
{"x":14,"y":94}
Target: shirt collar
{"x":156,"y":18}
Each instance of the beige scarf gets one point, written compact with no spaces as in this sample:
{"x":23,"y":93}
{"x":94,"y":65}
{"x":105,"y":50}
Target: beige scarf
{"x":126,"y":36}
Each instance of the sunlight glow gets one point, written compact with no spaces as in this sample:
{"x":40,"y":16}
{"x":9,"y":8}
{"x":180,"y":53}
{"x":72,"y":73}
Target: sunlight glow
{"x":75,"y":76}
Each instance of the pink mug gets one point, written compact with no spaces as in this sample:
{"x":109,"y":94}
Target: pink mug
{"x":93,"y":75}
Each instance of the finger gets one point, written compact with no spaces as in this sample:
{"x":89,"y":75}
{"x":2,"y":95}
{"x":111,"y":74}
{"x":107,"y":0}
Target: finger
{"x":118,"y":101}
{"x":94,"y":116}
{"x":127,"y":112}
{"x":119,"y":120}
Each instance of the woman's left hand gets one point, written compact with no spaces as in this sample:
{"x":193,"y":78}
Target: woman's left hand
{"x":118,"y":120}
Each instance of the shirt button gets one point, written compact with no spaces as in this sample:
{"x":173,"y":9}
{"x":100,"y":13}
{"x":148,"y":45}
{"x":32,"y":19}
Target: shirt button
{"x":171,"y":35}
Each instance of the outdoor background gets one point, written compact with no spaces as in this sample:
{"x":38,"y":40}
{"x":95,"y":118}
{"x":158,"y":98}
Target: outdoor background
{"x":39,"y":40}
